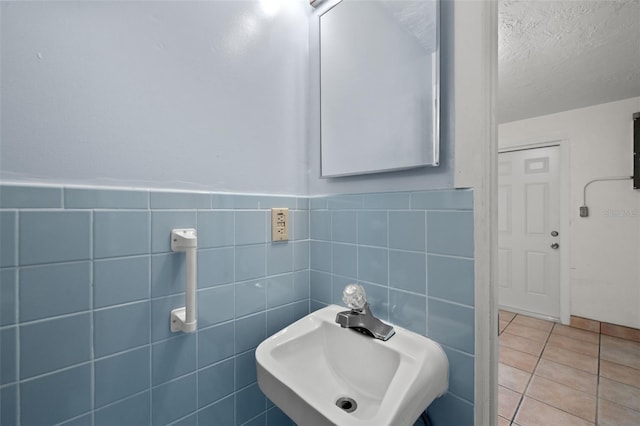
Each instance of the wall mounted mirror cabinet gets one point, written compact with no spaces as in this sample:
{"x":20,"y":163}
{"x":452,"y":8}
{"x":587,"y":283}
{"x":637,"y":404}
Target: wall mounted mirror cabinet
{"x":379,"y":85}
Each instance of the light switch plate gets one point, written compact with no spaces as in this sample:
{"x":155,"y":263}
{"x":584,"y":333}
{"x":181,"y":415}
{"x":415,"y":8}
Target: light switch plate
{"x":280,"y":224}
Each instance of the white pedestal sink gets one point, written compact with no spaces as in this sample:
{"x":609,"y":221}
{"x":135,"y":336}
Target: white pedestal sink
{"x":306,"y":368}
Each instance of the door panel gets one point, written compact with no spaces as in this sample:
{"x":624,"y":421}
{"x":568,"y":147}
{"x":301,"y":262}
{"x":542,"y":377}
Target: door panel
{"x":528,"y":211}
{"x":537,"y":270}
{"x":537,"y":207}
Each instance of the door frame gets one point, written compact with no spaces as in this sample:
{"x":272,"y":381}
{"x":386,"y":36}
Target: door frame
{"x":564,"y":177}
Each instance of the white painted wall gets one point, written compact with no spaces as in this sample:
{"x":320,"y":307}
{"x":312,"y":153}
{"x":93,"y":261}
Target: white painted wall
{"x":605,"y":247}
{"x":185,"y":95}
{"x":212,"y":95}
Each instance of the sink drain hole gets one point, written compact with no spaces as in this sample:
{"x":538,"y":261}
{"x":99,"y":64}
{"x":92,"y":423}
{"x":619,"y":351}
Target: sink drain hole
{"x":347,"y":404}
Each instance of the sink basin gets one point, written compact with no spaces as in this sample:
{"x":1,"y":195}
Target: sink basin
{"x":318,"y":372}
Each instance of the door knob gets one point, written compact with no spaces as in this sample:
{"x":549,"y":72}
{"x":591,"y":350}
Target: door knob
{"x":555,"y":246}
{"x":554,"y":233}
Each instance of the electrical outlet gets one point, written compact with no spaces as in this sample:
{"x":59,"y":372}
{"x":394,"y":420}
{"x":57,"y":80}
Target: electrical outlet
{"x":280,"y":224}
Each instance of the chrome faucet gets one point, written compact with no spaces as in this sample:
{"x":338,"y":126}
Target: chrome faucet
{"x":360,"y":317}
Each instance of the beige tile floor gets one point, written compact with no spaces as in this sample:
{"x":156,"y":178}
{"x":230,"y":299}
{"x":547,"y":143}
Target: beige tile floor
{"x":553,"y":375}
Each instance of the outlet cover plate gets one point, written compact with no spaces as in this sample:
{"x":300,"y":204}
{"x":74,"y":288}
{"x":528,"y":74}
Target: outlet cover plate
{"x":280,"y":224}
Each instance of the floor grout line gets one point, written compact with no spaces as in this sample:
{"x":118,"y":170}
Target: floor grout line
{"x":539,"y":357}
{"x":526,"y":388}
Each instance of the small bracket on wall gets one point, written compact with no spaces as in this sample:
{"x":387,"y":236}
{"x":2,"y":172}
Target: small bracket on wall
{"x":179,"y":321}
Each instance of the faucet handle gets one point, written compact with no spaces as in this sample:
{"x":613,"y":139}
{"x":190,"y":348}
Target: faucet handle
{"x":354,"y":296}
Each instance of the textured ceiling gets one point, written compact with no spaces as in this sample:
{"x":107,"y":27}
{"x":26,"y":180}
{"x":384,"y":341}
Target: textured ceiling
{"x":560,"y":55}
{"x":418,"y":18}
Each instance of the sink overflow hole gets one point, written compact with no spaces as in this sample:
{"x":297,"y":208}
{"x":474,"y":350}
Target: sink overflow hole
{"x":347,"y":404}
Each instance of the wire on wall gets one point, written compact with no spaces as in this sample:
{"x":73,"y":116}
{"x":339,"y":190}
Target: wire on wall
{"x":584,"y":210}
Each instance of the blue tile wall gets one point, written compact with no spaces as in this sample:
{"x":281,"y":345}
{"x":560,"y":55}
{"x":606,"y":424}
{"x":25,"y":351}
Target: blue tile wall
{"x":88,"y":274}
{"x":120,"y":233}
{"x":251,"y":227}
{"x":301,"y":255}
{"x":214,"y":266}
{"x":249,"y":403}
{"x":413,"y":253}
{"x":217,"y":381}
{"x":222,"y":412}
{"x":120,"y":280}
{"x":8,"y":228}
{"x":173,"y":400}
{"x":55,"y":289}
{"x":9,"y":405}
{"x":120,"y":328}
{"x":179,"y":200}
{"x":215,"y":344}
{"x":122,"y":375}
{"x":250,"y":262}
{"x":167,"y":274}
{"x":173,"y":358}
{"x":29,"y":197}
{"x":245,"y":369}
{"x":56,"y":397}
{"x":250,"y":297}
{"x":8,"y":295}
{"x":8,"y":360}
{"x":87,"y":282}
{"x":280,"y":290}
{"x":279,"y":258}
{"x":54,"y":236}
{"x":84,"y":420}
{"x":67,"y":341}
{"x":87,"y":198}
{"x":135,"y":410}
{"x":279,"y":318}
{"x":216,"y":228}
{"x":216,"y":305}
{"x":407,"y":230}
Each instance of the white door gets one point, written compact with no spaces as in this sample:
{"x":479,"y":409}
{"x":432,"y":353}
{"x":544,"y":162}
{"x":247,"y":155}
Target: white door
{"x":528,"y":225}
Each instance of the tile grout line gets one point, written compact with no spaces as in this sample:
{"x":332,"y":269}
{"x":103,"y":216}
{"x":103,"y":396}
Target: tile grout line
{"x":92,"y":351}
{"x":597,"y":374}
{"x":17,"y":322}
{"x":524,"y":392}
{"x":597,"y":382}
{"x":526,"y":388}
{"x":542,"y":402}
{"x":508,"y":323}
{"x":150,"y":298}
